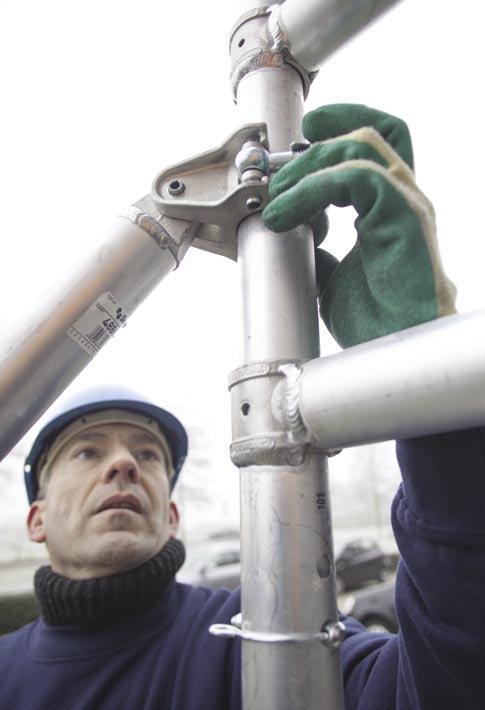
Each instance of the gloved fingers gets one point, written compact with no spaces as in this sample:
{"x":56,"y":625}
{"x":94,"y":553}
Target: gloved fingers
{"x":337,"y":119}
{"x":395,"y":224}
{"x":375,"y":194}
{"x":362,"y":144}
{"x":393,"y":277}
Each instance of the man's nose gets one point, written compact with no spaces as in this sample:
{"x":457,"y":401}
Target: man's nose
{"x":123,"y":464}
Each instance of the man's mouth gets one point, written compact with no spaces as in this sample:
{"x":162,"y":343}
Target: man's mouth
{"x":121,"y":501}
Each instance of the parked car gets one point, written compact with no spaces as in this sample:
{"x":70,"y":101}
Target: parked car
{"x":374,"y":607}
{"x":359,"y":562}
{"x":216,"y":563}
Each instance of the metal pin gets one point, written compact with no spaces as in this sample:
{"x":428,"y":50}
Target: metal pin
{"x":254,"y":202}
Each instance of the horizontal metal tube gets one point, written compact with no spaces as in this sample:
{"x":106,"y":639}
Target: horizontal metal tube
{"x":315,"y":29}
{"x":420,"y":381}
{"x":45,"y":354}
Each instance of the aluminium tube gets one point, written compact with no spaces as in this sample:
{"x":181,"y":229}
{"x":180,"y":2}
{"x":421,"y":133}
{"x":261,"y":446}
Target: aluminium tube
{"x":45,"y":354}
{"x":286,"y":540}
{"x":423,"y":380}
{"x":314,"y":29}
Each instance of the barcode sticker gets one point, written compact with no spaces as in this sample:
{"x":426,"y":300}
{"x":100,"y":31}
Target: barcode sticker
{"x":98,"y":324}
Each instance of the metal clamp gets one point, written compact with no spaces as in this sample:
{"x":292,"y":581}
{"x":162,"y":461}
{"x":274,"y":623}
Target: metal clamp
{"x":208,"y":189}
{"x":271,"y":435}
{"x":221,"y":187}
{"x":262,"y":435}
{"x":258,"y":41}
{"x":332,"y":634}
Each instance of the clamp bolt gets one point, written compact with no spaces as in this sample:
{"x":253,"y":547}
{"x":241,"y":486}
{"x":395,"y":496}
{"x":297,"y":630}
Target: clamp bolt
{"x":299,"y":147}
{"x":176,"y":187}
{"x":335,"y":634}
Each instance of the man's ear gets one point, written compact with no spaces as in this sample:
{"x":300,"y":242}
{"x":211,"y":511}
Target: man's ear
{"x":173,"y":520}
{"x":36,"y":521}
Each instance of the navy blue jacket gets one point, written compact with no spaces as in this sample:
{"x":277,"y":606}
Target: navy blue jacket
{"x":165,"y":658}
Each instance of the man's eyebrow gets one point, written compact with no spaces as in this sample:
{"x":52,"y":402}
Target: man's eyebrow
{"x":145,"y":438}
{"x":89,"y":436}
{"x":141,"y":437}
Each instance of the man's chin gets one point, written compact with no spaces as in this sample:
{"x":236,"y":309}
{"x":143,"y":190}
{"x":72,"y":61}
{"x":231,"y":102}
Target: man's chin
{"x":118,"y":551}
{"x":118,"y":519}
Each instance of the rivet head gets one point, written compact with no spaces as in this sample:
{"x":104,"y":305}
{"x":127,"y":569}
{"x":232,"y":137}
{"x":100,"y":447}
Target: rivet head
{"x":253,"y":203}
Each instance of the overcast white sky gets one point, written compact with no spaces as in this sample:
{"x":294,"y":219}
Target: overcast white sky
{"x":98,"y":96}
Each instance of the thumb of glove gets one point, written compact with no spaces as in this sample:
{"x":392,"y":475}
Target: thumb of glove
{"x":325,"y":265}
{"x":319,"y":225}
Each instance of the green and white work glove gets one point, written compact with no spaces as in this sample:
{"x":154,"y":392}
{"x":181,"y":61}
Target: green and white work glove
{"x":393,"y":277}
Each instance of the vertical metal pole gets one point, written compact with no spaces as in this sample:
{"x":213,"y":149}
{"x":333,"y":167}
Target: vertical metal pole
{"x":287,"y":557}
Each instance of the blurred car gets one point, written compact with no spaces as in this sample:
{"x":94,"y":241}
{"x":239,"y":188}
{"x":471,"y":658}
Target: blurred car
{"x":216,"y":563}
{"x":374,"y":607}
{"x":360,"y":561}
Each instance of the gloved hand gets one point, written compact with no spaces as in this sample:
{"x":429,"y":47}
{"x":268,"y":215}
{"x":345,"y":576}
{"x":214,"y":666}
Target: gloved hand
{"x":392,"y":278}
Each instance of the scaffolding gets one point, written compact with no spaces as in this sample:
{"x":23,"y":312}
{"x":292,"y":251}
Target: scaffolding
{"x":291,"y":409}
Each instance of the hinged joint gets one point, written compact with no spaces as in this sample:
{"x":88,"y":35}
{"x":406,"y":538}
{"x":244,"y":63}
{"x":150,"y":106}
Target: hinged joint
{"x":209,"y":189}
{"x":218,"y":189}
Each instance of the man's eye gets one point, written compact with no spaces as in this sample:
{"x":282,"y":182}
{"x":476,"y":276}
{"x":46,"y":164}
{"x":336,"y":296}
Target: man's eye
{"x":86,"y":454}
{"x":148,"y":455}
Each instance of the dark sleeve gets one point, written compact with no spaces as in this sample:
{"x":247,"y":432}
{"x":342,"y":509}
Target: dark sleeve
{"x":438,"y":658}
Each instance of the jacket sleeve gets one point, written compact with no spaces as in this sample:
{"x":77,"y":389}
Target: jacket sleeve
{"x":438,"y":658}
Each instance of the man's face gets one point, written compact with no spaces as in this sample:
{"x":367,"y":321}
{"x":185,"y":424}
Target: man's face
{"x":107,"y":506}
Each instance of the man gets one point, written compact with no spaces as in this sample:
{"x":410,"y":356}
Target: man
{"x":99,"y":478}
{"x":118,"y":632}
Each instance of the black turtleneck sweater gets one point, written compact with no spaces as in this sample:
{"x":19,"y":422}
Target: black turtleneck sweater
{"x":103,"y":601}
